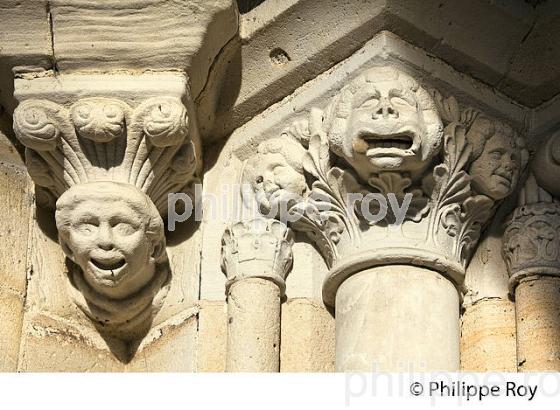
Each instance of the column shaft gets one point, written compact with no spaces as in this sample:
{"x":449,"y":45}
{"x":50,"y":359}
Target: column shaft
{"x":253,"y":340}
{"x":397,"y":318}
{"x":537,"y":308}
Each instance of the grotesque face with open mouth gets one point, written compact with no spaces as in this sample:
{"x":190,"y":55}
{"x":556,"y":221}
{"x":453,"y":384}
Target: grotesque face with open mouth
{"x":105,"y":229}
{"x":391,"y":124}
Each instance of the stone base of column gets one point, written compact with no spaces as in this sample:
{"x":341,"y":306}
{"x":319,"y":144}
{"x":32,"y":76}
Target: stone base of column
{"x":397,"y":318}
{"x":253,"y":340}
{"x":537,"y":306}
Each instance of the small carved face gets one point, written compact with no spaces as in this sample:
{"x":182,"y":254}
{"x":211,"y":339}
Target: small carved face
{"x":276,"y":181}
{"x":496,"y":171}
{"x":392,"y":124}
{"x":107,"y":236}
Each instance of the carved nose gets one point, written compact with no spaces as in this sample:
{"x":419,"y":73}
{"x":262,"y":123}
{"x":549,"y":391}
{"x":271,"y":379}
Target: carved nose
{"x":385,"y":110}
{"x":507,"y":163}
{"x":105,"y":240}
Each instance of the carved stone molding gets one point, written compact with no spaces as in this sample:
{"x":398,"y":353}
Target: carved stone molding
{"x":260,"y":248}
{"x":531,"y":242}
{"x":384,"y":134}
{"x":105,"y":151}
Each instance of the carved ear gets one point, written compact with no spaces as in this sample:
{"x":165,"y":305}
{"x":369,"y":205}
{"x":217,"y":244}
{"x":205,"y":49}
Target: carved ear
{"x":158,"y":252}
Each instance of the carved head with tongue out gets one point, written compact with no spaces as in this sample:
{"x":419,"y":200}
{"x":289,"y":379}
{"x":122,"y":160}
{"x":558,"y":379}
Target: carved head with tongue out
{"x":384,"y":121}
{"x":114,"y":233}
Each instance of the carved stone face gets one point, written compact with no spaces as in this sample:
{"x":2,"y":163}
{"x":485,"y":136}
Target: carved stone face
{"x":273,"y":178}
{"x":496,"y":171}
{"x":277,"y":182}
{"x":104,"y":228}
{"x":391,"y":125}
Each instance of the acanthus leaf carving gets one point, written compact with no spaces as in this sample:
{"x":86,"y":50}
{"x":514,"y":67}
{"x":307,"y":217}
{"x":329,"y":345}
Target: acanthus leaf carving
{"x":531,"y":241}
{"x":384,"y":134}
{"x":258,"y":248}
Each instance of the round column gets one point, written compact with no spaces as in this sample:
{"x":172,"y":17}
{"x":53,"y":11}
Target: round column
{"x":397,"y":318}
{"x":253,"y":338}
{"x":256,"y":257}
{"x":532,"y":252}
{"x":537,"y":310}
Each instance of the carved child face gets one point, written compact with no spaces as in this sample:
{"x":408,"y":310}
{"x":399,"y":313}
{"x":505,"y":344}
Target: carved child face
{"x":390,"y":127}
{"x":107,"y":237}
{"x":276,"y":181}
{"x":496,"y":171}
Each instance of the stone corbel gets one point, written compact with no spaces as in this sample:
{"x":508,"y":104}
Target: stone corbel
{"x":531,"y":248}
{"x":256,"y":258}
{"x":104,"y":151}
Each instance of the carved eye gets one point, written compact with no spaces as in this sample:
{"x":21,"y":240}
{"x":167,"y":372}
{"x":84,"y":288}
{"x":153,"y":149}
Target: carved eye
{"x":401,"y":101}
{"x":124,"y":229}
{"x":86,"y":228}
{"x":496,"y":155}
{"x":259,"y":179}
{"x":370,"y":102}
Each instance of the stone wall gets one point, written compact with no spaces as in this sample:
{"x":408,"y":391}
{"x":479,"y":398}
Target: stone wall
{"x":374,"y":186}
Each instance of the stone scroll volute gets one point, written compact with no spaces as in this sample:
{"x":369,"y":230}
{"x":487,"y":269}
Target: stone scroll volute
{"x":383,"y":133}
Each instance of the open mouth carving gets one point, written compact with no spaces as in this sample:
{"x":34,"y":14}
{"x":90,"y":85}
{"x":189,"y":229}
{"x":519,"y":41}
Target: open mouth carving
{"x":108,"y":266}
{"x":396,"y":141}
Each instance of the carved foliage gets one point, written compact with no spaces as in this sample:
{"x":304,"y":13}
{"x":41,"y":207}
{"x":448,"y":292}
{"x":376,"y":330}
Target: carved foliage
{"x":532,"y":241}
{"x":260,"y":248}
{"x":446,"y":212}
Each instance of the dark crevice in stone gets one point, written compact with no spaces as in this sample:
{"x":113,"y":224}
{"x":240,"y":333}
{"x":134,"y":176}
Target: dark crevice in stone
{"x":247,"y":5}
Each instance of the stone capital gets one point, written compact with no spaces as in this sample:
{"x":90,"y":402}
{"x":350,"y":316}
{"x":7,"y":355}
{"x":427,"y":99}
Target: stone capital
{"x":388,"y":172}
{"x":259,"y":248}
{"x":531,"y":242}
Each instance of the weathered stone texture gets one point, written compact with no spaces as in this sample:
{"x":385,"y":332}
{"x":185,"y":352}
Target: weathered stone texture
{"x":488,"y":342}
{"x":15,"y":217}
{"x":358,"y":170}
{"x":307,"y":341}
{"x":538,"y":324}
{"x":212,"y":336}
{"x":397,"y":318}
{"x":253,"y":326}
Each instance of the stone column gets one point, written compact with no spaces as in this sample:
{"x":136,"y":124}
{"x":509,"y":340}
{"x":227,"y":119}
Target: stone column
{"x":397,"y":318}
{"x":532,"y":252}
{"x":256,"y":259}
{"x":538,"y":323}
{"x":488,"y":317}
{"x":395,"y":269}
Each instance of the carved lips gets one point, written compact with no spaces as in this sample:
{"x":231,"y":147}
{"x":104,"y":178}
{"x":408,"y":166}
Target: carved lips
{"x":387,"y":144}
{"x":108,"y":270}
{"x":396,"y":144}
